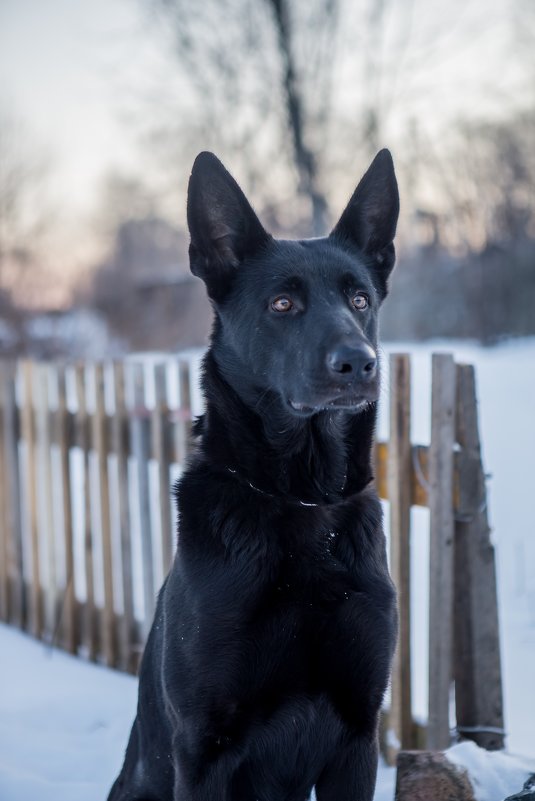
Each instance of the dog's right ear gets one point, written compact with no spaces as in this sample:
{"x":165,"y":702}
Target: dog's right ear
{"x":224,"y":228}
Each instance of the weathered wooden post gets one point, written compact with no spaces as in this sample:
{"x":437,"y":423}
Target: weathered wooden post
{"x":100,"y":442}
{"x":161,"y":449}
{"x":15,"y":595}
{"x":82,"y":438}
{"x":441,"y":531}
{"x":47,"y":519}
{"x":64,"y":438}
{"x":139,"y":433}
{"x":399,"y":494}
{"x":28,"y":432}
{"x":120,"y":447}
{"x":477,"y":667}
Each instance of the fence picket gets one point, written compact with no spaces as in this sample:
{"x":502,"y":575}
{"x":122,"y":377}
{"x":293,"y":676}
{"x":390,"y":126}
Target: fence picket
{"x":4,"y":530}
{"x":16,"y":593}
{"x":120,"y":447}
{"x":161,"y":451}
{"x":63,"y":433}
{"x":35,"y":620}
{"x":89,"y":638}
{"x":399,"y":494}
{"x":477,"y":666}
{"x":441,"y":549}
{"x":44,"y":467}
{"x":100,"y":439}
{"x":140,"y":451}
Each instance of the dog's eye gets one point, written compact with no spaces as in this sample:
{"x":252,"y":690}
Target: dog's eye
{"x":282,"y":304}
{"x":359,"y":301}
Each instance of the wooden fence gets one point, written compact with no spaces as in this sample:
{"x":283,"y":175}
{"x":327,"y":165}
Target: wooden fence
{"x":87,"y":458}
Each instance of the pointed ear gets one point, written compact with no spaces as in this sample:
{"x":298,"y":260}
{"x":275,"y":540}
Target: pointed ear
{"x":224,"y":228}
{"x":370,"y":218}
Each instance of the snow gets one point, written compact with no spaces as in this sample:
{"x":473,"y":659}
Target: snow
{"x":494,"y":775}
{"x":64,"y":723}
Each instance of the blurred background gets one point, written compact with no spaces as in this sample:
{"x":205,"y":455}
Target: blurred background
{"x":104,"y":105}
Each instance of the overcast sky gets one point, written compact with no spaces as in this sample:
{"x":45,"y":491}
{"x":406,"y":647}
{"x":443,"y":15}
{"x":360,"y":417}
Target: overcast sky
{"x":62,"y":63}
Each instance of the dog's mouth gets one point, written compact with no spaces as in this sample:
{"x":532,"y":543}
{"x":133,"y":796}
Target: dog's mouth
{"x":352,"y":403}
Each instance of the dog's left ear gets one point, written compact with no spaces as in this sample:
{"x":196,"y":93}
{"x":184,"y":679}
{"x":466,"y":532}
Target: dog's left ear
{"x":370,"y":218}
{"x":224,"y":228}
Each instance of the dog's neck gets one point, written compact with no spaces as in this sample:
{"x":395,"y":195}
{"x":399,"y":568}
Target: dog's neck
{"x":316,"y":460}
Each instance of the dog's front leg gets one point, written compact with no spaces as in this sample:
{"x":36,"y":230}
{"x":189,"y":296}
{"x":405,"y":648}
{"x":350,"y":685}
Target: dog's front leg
{"x":201,"y":775}
{"x":351,"y":774}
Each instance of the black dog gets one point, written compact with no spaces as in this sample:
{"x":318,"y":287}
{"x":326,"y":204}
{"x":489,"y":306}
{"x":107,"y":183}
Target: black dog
{"x":270,"y":651}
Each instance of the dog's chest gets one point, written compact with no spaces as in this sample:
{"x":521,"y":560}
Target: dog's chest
{"x":308,"y":584}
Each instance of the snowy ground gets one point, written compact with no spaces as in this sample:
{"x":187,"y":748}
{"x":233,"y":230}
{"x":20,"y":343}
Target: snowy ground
{"x":64,"y":723}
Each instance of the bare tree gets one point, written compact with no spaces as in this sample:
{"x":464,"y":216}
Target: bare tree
{"x":25,"y":212}
{"x":305,"y":88}
{"x":245,"y":89}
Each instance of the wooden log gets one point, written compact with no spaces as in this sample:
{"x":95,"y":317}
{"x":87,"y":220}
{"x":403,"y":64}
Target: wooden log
{"x":28,"y":435}
{"x":477,"y":664}
{"x":441,"y":453}
{"x":140,"y":449}
{"x":71,"y":634}
{"x":14,"y":566}
{"x":101,"y":449}
{"x":90,"y":637}
{"x":120,"y":447}
{"x":161,"y":453}
{"x":399,"y":494}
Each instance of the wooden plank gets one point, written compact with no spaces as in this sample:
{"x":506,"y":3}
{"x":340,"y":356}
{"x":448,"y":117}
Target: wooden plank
{"x":90,"y":638}
{"x":381,"y":469}
{"x":71,"y":634}
{"x":101,"y":449}
{"x":161,"y":453}
{"x":419,"y":473}
{"x":44,"y":469}
{"x":12,"y":497}
{"x":441,"y":453}
{"x":477,"y":665}
{"x":140,"y":450}
{"x":120,"y":448}
{"x":28,"y":432}
{"x":4,"y":531}
{"x":399,"y":493}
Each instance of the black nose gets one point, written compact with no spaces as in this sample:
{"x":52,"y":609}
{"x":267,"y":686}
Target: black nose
{"x":353,"y":362}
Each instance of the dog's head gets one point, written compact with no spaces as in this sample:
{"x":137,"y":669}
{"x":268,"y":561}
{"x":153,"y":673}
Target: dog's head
{"x":295,"y":318}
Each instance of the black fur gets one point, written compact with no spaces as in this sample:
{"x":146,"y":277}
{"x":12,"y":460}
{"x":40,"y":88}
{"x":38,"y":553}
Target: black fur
{"x":271,"y":647}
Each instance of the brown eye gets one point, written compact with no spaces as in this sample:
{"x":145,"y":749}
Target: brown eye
{"x":282,"y":304}
{"x":359,"y":301}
